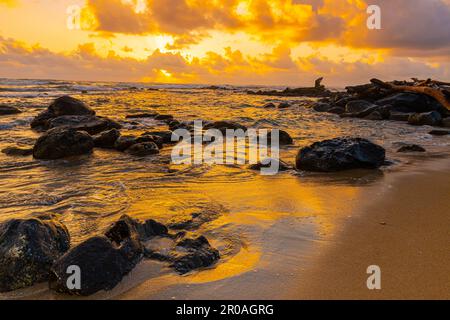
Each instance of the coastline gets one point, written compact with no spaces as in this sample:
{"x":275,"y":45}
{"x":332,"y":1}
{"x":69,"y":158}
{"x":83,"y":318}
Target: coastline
{"x":404,"y":231}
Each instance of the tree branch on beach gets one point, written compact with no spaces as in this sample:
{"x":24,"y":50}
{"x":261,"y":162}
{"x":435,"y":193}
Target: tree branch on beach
{"x":428,"y":87}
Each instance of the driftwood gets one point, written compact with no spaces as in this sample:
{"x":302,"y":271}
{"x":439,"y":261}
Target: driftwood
{"x":318,"y":90}
{"x":428,"y":88}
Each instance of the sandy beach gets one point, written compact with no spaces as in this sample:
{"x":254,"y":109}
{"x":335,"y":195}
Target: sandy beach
{"x":405,"y":232}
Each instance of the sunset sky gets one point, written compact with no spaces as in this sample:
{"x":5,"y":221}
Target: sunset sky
{"x":267,"y":42}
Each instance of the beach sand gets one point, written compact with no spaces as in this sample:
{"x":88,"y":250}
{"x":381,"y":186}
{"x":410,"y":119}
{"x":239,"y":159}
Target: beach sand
{"x":406,"y":232}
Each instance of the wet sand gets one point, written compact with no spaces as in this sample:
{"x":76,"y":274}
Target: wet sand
{"x":406,"y":232}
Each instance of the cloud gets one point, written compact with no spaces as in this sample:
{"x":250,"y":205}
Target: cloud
{"x":230,"y":66}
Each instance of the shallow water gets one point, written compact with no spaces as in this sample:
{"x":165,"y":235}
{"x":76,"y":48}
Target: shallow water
{"x":250,"y":218}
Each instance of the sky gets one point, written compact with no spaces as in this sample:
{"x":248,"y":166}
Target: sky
{"x":240,"y":42}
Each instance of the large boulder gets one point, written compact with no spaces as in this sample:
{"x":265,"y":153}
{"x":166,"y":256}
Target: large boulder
{"x":357,"y":106}
{"x":28,"y":249}
{"x":432,"y":118}
{"x":8,"y":110}
{"x":340,"y":154}
{"x":91,"y":124}
{"x":63,"y":106}
{"x":59,"y":143}
{"x":106,"y":139}
{"x":411,"y":102}
{"x":105,"y":260}
{"x":193,"y":253}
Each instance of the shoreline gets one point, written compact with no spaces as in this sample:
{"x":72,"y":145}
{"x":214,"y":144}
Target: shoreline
{"x":404,"y":231}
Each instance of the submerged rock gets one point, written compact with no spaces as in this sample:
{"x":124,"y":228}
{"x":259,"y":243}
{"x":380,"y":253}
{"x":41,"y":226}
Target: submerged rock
{"x":106,"y":139}
{"x":432,"y":118}
{"x":224,"y":125}
{"x":284,"y":105}
{"x":59,"y":143}
{"x":268,"y":163}
{"x":141,"y":115}
{"x":284,"y":138}
{"x":16,"y":151}
{"x":411,"y":148}
{"x":143,"y":149}
{"x":340,"y":154}
{"x":28,"y":249}
{"x":192,"y":254}
{"x":269,"y":105}
{"x":8,"y":110}
{"x":439,"y":132}
{"x":166,"y":136}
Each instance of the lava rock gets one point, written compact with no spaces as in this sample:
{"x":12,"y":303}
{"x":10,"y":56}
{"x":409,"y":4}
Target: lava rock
{"x":143,"y":149}
{"x":90,"y":124}
{"x":284,"y":105}
{"x":124,"y":142}
{"x":446,"y":122}
{"x":374,"y":116}
{"x":106,"y":139}
{"x":357,"y":106}
{"x":164,"y":117}
{"x":269,"y":105}
{"x":398,"y":116}
{"x":340,"y":154}
{"x":28,"y":249}
{"x":166,"y":136}
{"x":63,"y":106}
{"x":411,"y":102}
{"x":102,"y":263}
{"x":8,"y":110}
{"x":59,"y":143}
{"x":432,"y":118}
{"x":439,"y":132}
{"x":322,"y":107}
{"x":336,"y":110}
{"x":224,"y":125}
{"x":268,"y":163}
{"x":127,"y":227}
{"x":141,"y":115}
{"x":193,"y":254}
{"x":16,"y":151}
{"x":284,"y":138}
{"x":411,"y":148}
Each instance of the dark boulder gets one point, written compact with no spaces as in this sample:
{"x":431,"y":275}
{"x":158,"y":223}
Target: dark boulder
{"x":432,"y":118}
{"x":411,"y":102}
{"x":8,"y":110}
{"x":28,"y":249}
{"x":439,"y":132}
{"x":59,"y":143}
{"x":446,"y":122}
{"x":102,"y":263}
{"x":90,"y":124}
{"x":399,"y":116}
{"x":164,"y":117}
{"x":224,"y":125}
{"x":192,"y":254}
{"x":336,"y":110}
{"x":284,"y":138}
{"x":269,"y":105}
{"x":105,"y":260}
{"x":340,"y":154}
{"x":124,"y":142}
{"x":141,"y":115}
{"x":166,"y":136}
{"x":357,"y":106}
{"x":268,"y":163}
{"x":106,"y":139}
{"x":16,"y":151}
{"x":284,"y":105}
{"x":143,"y":149}
{"x":68,"y":106}
{"x":411,"y":148}
{"x":374,"y":116}
{"x":63,"y":106}
{"x":322,"y":107}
